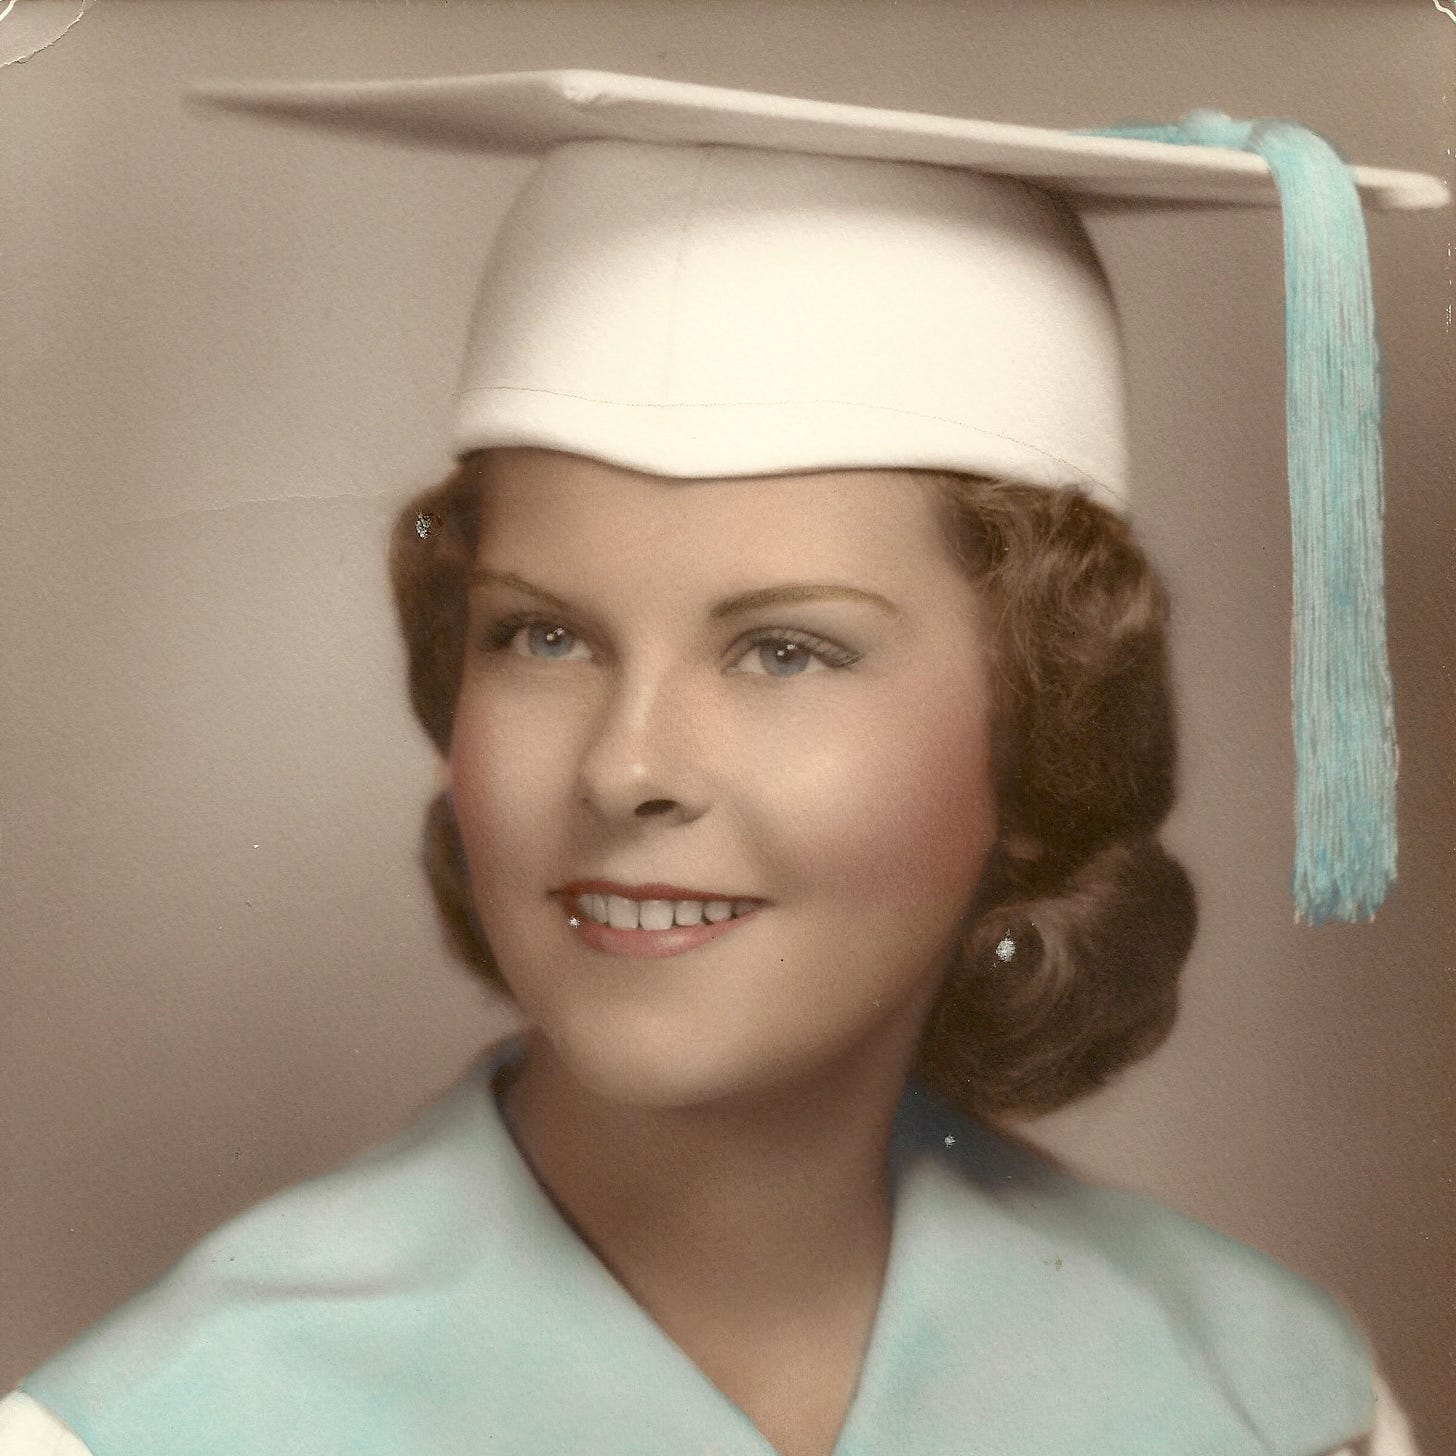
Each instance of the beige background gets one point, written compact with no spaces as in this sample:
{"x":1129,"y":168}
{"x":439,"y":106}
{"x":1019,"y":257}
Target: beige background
{"x":227,"y":349}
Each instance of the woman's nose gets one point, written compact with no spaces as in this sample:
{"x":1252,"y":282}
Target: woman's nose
{"x":645,"y":754}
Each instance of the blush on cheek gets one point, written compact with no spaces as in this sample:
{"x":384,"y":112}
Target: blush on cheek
{"x":495,"y":797}
{"x":934,"y":844}
{"x":472,"y":816}
{"x":911,"y":821}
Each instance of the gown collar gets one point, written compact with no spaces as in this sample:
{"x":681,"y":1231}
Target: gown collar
{"x":429,"y":1299}
{"x":1014,"y":1315}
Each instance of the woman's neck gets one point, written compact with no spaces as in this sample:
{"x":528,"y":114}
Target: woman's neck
{"x":743,"y":1183}
{"x":755,"y":1232}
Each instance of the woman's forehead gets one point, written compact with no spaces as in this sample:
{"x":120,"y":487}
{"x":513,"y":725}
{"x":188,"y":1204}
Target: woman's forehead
{"x":540,"y":501}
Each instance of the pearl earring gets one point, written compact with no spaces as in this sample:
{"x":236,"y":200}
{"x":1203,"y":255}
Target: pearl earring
{"x":1005,"y":947}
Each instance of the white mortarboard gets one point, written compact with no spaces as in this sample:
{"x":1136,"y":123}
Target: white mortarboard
{"x":701,"y":282}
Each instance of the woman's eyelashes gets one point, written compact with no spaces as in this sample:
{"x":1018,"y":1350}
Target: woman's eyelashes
{"x":767,"y":651}
{"x":788,"y":652}
{"x":527,"y":635}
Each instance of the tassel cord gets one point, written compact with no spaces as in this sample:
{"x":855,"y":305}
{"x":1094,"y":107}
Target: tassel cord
{"x":1342,"y":707}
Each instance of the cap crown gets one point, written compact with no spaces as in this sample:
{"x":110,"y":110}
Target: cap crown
{"x":720,"y":310}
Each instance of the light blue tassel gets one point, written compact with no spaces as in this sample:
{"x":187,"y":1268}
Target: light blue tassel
{"x":1344,"y":730}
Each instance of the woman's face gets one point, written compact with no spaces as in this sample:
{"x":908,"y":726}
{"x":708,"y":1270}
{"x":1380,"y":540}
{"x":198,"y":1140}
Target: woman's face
{"x":770,"y":694}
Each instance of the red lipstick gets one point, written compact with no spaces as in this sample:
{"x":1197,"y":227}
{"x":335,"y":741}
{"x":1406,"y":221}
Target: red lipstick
{"x":655,"y":890}
{"x":651,"y":944}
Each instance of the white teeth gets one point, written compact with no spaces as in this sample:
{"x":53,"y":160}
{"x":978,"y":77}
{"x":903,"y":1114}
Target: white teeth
{"x":656,"y":914}
{"x":624,"y":914}
{"x":621,"y":913}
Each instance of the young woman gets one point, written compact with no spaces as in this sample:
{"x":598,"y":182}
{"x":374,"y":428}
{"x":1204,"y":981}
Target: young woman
{"x":807,"y":735}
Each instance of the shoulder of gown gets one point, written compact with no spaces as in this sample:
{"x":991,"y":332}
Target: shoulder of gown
{"x":27,"y":1428}
{"x":1284,"y":1355}
{"x":352,"y":1259}
{"x":431,"y":1281}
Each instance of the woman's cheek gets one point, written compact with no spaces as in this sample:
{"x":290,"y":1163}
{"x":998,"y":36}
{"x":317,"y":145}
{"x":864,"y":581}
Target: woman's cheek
{"x":502,"y":757}
{"x":897,"y":810}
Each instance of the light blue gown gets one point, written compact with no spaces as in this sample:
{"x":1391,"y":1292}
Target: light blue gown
{"x":429,"y":1300}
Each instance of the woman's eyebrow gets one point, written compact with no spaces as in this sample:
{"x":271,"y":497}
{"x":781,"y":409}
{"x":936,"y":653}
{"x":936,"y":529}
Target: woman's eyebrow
{"x":483,"y":575}
{"x":801,"y":591}
{"x":787,"y":593}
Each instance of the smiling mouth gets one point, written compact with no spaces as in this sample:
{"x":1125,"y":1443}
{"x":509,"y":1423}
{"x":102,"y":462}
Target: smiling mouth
{"x":651,"y":925}
{"x":623,"y":912}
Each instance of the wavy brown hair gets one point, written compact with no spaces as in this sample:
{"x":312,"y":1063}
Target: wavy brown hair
{"x":1099,"y":919}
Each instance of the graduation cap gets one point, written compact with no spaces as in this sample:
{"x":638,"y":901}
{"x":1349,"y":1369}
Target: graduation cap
{"x":700,"y":282}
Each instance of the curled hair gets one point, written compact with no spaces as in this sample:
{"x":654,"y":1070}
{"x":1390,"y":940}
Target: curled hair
{"x":431,"y":552}
{"x":1069,"y":958}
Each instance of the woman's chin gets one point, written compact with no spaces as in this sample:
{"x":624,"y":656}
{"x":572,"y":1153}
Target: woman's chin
{"x":667,"y":1067}
{"x":664,"y":1070}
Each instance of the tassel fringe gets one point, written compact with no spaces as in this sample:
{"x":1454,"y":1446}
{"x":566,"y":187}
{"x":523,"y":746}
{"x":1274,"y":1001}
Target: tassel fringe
{"x":1343,"y":718}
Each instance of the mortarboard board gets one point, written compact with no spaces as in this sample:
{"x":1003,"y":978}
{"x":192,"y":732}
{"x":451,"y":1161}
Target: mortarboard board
{"x":700,"y":282}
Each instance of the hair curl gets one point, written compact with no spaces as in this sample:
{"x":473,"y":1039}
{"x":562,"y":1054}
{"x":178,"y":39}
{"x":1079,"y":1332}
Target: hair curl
{"x":1099,"y":917}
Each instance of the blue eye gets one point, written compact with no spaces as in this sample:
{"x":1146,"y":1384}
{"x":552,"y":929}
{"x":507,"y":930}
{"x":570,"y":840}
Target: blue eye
{"x":787,"y":653}
{"x":784,"y":659}
{"x":535,"y":637}
{"x":546,"y":639}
